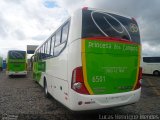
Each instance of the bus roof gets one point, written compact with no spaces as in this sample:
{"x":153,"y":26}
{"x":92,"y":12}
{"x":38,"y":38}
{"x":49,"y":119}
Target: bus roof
{"x":17,"y":50}
{"x":105,"y":10}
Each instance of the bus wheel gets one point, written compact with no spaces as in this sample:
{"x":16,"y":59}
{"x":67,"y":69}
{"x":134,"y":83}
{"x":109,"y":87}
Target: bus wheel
{"x":46,"y":89}
{"x":156,"y":73}
{"x":10,"y":76}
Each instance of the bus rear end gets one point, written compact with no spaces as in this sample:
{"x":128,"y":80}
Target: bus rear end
{"x":110,"y":73}
{"x":16,"y":63}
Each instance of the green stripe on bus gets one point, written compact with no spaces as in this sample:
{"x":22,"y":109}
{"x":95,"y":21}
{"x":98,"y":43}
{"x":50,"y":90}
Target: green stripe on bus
{"x":38,"y":68}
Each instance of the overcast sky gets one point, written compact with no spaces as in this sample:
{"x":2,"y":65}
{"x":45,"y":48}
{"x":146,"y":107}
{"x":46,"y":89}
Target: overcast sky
{"x":30,"y":22}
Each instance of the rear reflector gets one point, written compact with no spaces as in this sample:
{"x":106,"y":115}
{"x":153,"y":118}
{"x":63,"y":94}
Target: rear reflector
{"x":78,"y":81}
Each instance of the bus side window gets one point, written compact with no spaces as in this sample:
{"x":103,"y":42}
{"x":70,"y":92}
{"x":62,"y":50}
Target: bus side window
{"x":48,"y":48}
{"x":39,"y":54}
{"x":42,"y":52}
{"x":65,"y":31}
{"x":52,"y":44}
{"x":58,"y":49}
{"x":58,"y":38}
{"x":151,"y":59}
{"x":36,"y":57}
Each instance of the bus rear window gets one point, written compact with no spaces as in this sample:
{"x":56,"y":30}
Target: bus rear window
{"x":101,"y":24}
{"x":17,"y":54}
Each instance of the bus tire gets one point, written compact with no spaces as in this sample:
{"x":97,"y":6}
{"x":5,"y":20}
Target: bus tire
{"x":46,"y":89}
{"x":156,"y":73}
{"x":10,"y":76}
{"x":24,"y":76}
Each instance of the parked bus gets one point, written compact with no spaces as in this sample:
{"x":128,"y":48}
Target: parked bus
{"x":91,"y":61}
{"x":151,"y":65}
{"x":16,"y":62}
{"x":4,"y":64}
{"x":1,"y":63}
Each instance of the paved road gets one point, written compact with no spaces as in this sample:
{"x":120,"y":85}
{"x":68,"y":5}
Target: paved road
{"x":21,"y":98}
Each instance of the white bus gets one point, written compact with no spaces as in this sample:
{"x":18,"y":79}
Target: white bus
{"x":92,"y":61}
{"x":151,"y":65}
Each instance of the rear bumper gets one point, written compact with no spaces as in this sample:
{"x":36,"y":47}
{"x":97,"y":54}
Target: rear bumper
{"x":91,"y":102}
{"x":16,"y":73}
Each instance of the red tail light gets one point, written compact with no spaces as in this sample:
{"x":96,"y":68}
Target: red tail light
{"x":134,"y":19}
{"x":85,"y":8}
{"x":138,"y":84}
{"x":78,"y":81}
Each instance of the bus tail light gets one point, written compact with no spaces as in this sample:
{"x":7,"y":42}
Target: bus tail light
{"x":133,"y":19}
{"x":78,"y":81}
{"x":85,"y":8}
{"x":138,"y":84}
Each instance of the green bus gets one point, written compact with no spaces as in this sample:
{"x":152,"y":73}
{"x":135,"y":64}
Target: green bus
{"x":16,"y":63}
{"x":1,"y":63}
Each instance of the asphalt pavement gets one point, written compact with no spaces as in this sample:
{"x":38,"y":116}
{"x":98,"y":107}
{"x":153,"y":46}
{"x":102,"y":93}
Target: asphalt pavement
{"x":23,"y":99}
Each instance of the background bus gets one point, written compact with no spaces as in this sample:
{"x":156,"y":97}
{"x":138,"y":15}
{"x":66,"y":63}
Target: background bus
{"x":1,"y":63}
{"x":91,"y":61}
{"x":16,"y":63}
{"x":4,"y":65}
{"x":151,"y":65}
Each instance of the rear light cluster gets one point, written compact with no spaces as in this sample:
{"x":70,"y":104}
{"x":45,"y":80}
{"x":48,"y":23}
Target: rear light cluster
{"x":78,"y":81}
{"x":138,"y":84}
{"x":85,"y":8}
{"x":134,"y":19}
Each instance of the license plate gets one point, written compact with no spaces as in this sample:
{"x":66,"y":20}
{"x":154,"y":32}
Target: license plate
{"x":113,"y":99}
